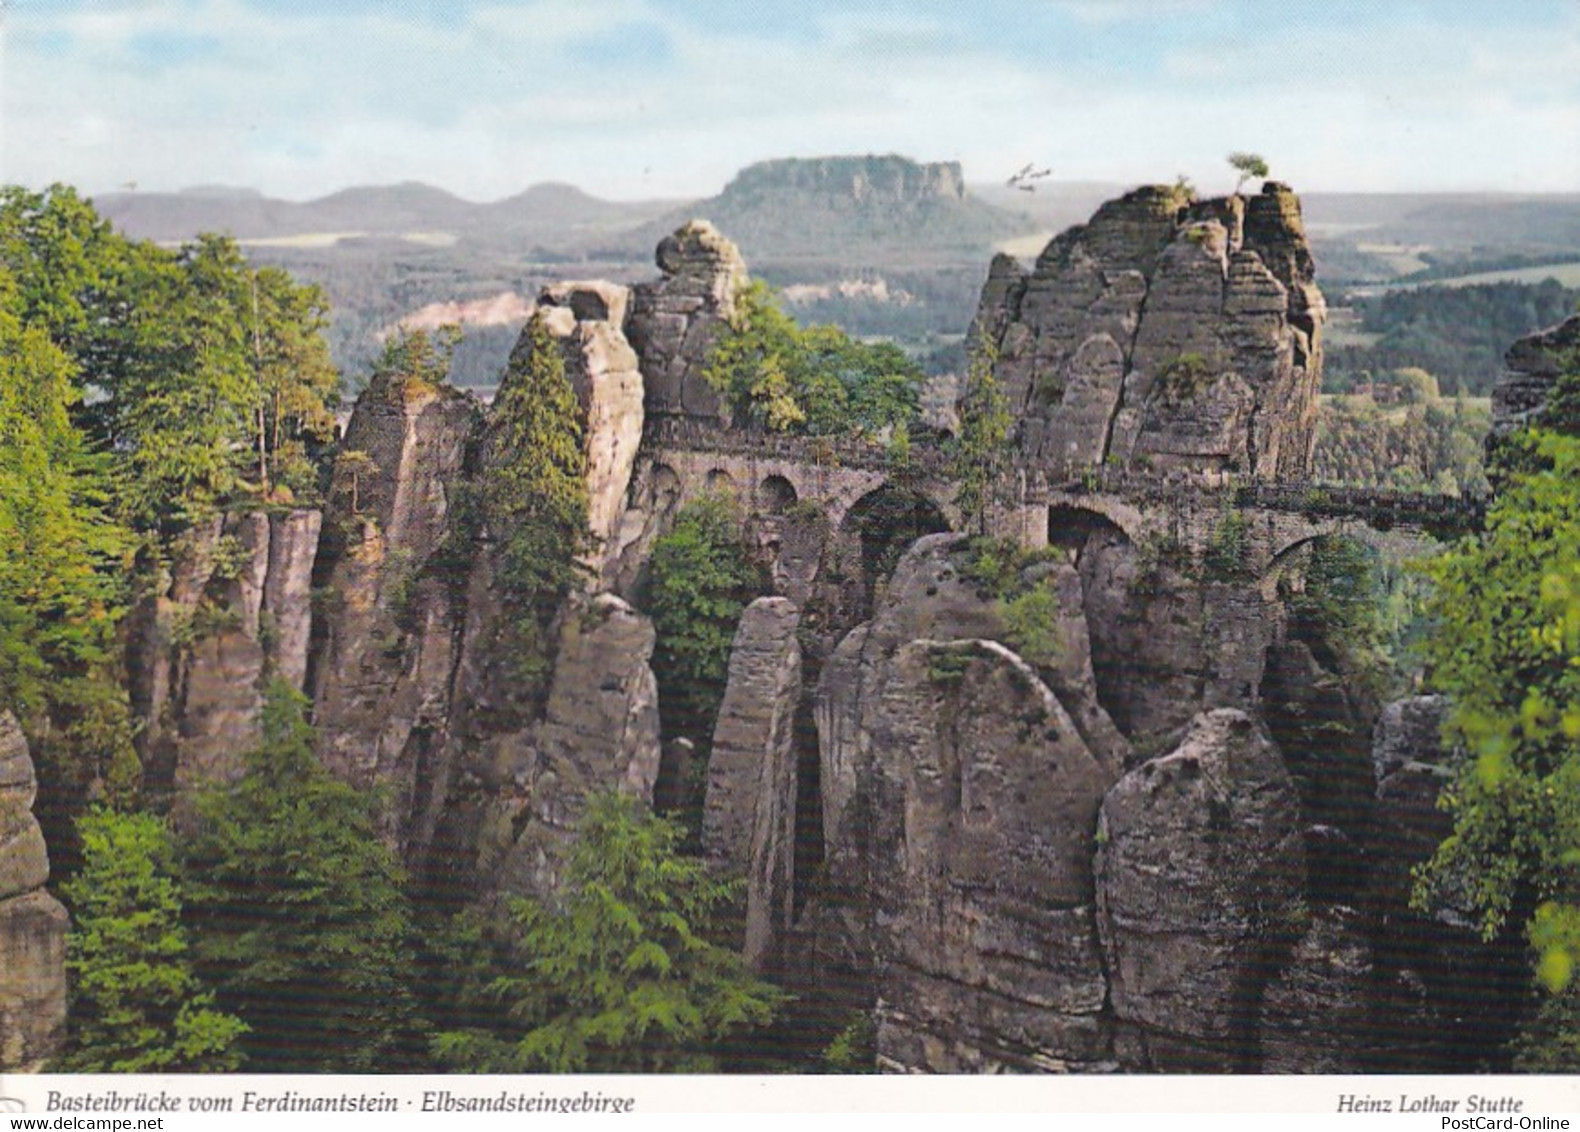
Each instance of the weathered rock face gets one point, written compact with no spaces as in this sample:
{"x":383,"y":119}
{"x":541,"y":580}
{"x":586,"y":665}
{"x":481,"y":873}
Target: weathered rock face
{"x":1199,"y":868}
{"x":388,"y":642}
{"x":931,"y":598}
{"x":1165,"y":645}
{"x":1165,"y":333}
{"x":1317,"y":1011}
{"x":237,"y":612}
{"x":602,"y":367}
{"x":977,"y":920}
{"x":418,"y":684}
{"x":32,"y":922}
{"x":672,"y":322}
{"x":749,"y":811}
{"x":1411,"y":767}
{"x":1442,"y":996}
{"x":1321,"y":723}
{"x":984,"y":805}
{"x":1531,"y":367}
{"x":599,"y":732}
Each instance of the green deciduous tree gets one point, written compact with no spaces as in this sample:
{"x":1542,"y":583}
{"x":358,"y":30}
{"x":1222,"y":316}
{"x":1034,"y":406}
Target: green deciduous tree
{"x":297,"y":907}
{"x":59,"y":550}
{"x":136,"y":1006}
{"x":208,"y":379}
{"x":816,"y":380}
{"x":62,"y":578}
{"x":298,"y":385}
{"x":1506,"y":648}
{"x":621,"y":975}
{"x":414,"y":360}
{"x":700,"y":580}
{"x":1248,"y":166}
{"x":61,"y":255}
{"x":982,"y":445}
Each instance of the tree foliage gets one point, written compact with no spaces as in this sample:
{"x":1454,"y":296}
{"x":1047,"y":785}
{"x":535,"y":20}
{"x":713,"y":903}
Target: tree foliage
{"x":136,"y":1006}
{"x":60,"y":552}
{"x":535,"y":492}
{"x":209,"y":379}
{"x":816,"y":380}
{"x":982,"y":446}
{"x":298,"y":910}
{"x":1507,"y":650}
{"x":1434,"y":445}
{"x":1458,"y":334}
{"x":63,"y":564}
{"x":622,"y":975}
{"x":1249,"y":166}
{"x":701,"y":579}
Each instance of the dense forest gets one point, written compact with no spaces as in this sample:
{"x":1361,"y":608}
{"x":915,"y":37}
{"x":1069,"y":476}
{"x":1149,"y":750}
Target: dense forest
{"x":1417,"y":441}
{"x":145,"y":391}
{"x":1458,"y":334}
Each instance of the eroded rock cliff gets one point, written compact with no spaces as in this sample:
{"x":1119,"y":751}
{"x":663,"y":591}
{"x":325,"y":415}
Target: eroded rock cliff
{"x":233,"y":612}
{"x":419,"y":685}
{"x":1165,"y":333}
{"x":1531,"y":368}
{"x":33,"y":923}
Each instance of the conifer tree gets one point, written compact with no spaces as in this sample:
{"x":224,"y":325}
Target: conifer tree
{"x":621,"y":975}
{"x":136,"y":1006}
{"x":298,"y":910}
{"x":535,"y":491}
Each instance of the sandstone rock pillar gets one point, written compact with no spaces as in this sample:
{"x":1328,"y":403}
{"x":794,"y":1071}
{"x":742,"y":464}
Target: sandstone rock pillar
{"x":32,"y":922}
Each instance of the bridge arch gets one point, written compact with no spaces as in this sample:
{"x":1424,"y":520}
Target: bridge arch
{"x":1296,"y":536}
{"x":776,"y":494}
{"x":1070,"y":525}
{"x":881,"y":525}
{"x":1126,"y":517}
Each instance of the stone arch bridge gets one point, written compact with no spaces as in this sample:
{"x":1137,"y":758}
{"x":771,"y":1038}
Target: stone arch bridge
{"x":1264,"y":524}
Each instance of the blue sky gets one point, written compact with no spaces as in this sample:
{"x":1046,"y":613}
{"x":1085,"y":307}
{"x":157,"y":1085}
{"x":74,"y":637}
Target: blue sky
{"x":641,"y":98}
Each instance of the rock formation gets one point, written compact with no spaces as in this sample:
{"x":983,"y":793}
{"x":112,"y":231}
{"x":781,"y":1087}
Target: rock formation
{"x":32,"y":922}
{"x":672,"y":322}
{"x":416,"y":686}
{"x":1531,"y":367}
{"x":1125,"y":852}
{"x":748,"y":817}
{"x":602,"y":367}
{"x":984,"y":802}
{"x":599,"y":731}
{"x":886,"y":180}
{"x":1165,"y":333}
{"x":1317,"y":1012}
{"x":959,"y":801}
{"x":236,"y":613}
{"x":1200,"y":869}
{"x":387,"y":643}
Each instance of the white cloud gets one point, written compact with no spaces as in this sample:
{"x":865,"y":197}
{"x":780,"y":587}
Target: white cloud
{"x":487,"y":104}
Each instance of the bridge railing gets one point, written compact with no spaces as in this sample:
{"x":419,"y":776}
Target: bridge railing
{"x":1035,"y":483}
{"x":1382,"y":506}
{"x":691,"y":433}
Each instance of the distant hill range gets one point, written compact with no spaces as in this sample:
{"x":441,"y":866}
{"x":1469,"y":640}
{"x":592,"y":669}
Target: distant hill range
{"x":888,"y":209}
{"x":557,"y":213}
{"x":872,"y":211}
{"x":882,"y":245}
